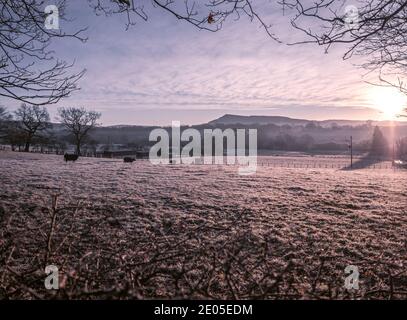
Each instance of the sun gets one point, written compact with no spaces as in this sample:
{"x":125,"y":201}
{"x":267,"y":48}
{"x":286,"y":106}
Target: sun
{"x":389,"y":101}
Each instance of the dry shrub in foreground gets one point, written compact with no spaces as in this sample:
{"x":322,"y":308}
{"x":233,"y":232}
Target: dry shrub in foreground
{"x":104,"y":252}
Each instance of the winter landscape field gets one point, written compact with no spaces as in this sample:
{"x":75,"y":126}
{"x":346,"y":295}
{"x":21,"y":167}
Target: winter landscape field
{"x":137,"y":230}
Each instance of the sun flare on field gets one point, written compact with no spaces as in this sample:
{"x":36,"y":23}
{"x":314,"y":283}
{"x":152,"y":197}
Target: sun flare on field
{"x":389,"y":101}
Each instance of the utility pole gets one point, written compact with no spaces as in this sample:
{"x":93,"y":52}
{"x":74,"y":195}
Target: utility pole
{"x":351,"y":152}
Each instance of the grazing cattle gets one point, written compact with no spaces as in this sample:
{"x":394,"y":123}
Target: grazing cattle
{"x":128,"y":159}
{"x":70,"y":157}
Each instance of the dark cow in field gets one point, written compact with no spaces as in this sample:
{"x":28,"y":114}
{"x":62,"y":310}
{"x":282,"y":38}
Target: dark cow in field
{"x":129,"y":159}
{"x":70,"y":157}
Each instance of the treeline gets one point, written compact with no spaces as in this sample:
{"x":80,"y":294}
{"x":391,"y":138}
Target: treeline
{"x":376,"y":146}
{"x":30,"y":127}
{"x":77,"y":130}
{"x":306,"y":143}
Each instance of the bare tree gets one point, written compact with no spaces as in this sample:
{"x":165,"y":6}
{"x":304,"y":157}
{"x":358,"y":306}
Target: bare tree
{"x":401,"y":148}
{"x":79,"y":122}
{"x":207,"y":15}
{"x":31,"y":120}
{"x":380,"y":145}
{"x":5,"y":119}
{"x":375,"y":30}
{"x":29,"y":72}
{"x":4,"y":115}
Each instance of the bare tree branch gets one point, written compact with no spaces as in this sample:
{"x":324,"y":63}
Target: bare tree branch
{"x":30,"y":121}
{"x":79,"y":123}
{"x":29,"y":72}
{"x":375,"y":30}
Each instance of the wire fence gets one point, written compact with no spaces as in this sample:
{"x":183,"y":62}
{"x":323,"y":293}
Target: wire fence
{"x":327,"y":165}
{"x":300,"y":162}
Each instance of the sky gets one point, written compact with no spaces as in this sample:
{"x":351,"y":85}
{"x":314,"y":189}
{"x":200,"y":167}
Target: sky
{"x":163,"y":70}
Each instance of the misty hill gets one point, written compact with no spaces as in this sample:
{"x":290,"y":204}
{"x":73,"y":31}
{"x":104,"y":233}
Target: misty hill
{"x":228,"y":119}
{"x":274,"y":133}
{"x":231,"y":119}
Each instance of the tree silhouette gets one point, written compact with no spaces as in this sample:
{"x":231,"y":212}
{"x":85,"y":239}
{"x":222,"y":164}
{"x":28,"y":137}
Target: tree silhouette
{"x":401,"y":148}
{"x":3,"y":114}
{"x":79,"y":122}
{"x":372,"y":29}
{"x":29,"y":71}
{"x":31,"y":120}
{"x":379,"y":146}
{"x":5,"y":118}
{"x":207,"y":15}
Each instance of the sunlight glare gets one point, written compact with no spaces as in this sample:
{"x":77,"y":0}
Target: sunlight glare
{"x":389,"y":101}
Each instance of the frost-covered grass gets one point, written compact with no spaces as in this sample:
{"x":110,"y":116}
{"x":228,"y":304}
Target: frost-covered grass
{"x":142,"y":231}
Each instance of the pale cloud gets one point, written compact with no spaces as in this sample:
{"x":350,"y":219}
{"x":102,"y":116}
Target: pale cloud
{"x":164,"y":64}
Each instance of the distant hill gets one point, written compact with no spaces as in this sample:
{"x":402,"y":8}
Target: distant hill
{"x":270,"y":128}
{"x":260,"y":120}
{"x":275,"y":133}
{"x":230,"y":119}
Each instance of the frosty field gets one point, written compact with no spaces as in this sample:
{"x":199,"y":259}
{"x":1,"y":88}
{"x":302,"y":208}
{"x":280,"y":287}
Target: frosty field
{"x":134,"y":230}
